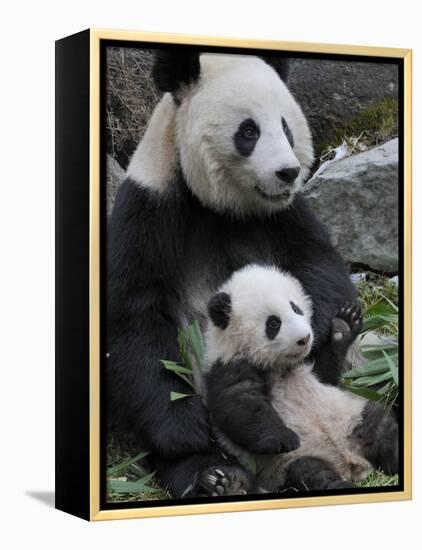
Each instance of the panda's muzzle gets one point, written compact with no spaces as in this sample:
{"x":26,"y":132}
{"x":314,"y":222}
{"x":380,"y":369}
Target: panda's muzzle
{"x":274,"y":197}
{"x":288,"y":175}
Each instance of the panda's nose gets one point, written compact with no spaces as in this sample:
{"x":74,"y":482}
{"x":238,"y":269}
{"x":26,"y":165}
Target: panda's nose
{"x":303,"y":341}
{"x":288,"y":175}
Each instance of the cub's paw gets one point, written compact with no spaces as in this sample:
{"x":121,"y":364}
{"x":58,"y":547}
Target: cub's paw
{"x":284,"y":441}
{"x":347,"y":324}
{"x":218,"y":481}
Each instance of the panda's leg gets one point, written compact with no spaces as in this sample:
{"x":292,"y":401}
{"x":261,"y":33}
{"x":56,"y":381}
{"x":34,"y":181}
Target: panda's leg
{"x":346,"y":325}
{"x":205,"y":476}
{"x":310,"y":473}
{"x":378,"y":437}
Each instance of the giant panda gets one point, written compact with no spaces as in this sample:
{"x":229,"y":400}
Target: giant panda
{"x":259,"y":387}
{"x":213,"y":185}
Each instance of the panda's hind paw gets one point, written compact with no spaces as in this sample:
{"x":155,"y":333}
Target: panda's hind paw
{"x":225,"y":480}
{"x":347,"y":323}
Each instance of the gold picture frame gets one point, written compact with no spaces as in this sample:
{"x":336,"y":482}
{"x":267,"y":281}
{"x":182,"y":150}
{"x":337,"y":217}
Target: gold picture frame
{"x":91,"y":508}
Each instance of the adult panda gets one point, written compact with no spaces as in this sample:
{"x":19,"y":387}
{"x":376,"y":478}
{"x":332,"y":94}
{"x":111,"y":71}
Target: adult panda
{"x":213,"y":185}
{"x":258,"y":385}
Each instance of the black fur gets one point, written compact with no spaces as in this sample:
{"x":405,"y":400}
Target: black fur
{"x":158,"y":243}
{"x":272,"y":326}
{"x":175,"y":67}
{"x":378,"y":437}
{"x":240,"y":404}
{"x":246,"y":137}
{"x":288,"y":132}
{"x":280,"y":64}
{"x":219,"y":309}
{"x":310,"y":473}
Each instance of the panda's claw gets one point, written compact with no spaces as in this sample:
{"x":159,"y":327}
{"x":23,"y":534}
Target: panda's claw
{"x":212,"y":479}
{"x":223,"y":481}
{"x":347,"y":323}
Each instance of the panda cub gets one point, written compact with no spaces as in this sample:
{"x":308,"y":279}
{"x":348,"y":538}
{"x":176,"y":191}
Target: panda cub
{"x":265,"y":399}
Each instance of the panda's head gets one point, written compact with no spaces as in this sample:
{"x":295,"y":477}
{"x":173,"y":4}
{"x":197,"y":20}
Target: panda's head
{"x":242,"y":141}
{"x":261,"y":314}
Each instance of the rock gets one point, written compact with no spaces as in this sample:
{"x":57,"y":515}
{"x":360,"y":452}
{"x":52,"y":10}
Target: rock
{"x":357,"y":198}
{"x":332,"y":92}
{"x":115,"y":176}
{"x":355,"y":358}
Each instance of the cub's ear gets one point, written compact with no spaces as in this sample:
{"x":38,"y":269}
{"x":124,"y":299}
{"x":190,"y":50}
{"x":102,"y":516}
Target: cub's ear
{"x":281,"y":65}
{"x":219,"y":309}
{"x":173,"y":68}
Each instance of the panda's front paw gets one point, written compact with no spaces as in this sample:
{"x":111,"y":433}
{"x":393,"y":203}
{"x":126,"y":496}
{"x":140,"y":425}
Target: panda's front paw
{"x":284,"y":441}
{"x":224,"y":480}
{"x":347,"y":323}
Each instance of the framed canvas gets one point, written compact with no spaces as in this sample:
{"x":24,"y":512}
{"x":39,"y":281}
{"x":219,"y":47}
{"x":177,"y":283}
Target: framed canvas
{"x":233,"y":274}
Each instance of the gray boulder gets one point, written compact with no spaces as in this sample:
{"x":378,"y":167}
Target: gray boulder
{"x":357,"y":198}
{"x":115,"y":176}
{"x":332,"y":92}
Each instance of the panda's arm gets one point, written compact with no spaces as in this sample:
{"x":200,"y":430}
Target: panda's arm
{"x":325,"y":278}
{"x":239,"y":404}
{"x":144,"y":255}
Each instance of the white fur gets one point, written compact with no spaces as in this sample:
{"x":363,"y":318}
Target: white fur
{"x":231,"y":88}
{"x":257,"y":292}
{"x":323,"y":416}
{"x":154,"y":163}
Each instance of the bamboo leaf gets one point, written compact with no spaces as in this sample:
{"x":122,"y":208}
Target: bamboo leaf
{"x":364,"y":392}
{"x":174,"y":395}
{"x":393,"y":368}
{"x":371,"y":380}
{"x":376,"y":366}
{"x":140,"y":486}
{"x":119,"y":468}
{"x":175,"y":367}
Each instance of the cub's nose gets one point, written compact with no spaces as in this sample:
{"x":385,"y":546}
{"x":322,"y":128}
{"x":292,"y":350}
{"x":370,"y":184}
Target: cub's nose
{"x":288,"y":175}
{"x":303,"y":341}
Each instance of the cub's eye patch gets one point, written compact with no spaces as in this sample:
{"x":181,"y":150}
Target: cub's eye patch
{"x":272,"y":326}
{"x":287,"y":131}
{"x":296,"y":309}
{"x":246,"y":137}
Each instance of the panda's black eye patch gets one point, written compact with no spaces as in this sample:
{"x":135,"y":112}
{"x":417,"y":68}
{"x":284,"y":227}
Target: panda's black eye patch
{"x":246,"y":137}
{"x":272,"y":326}
{"x":296,"y":309}
{"x":287,"y":131}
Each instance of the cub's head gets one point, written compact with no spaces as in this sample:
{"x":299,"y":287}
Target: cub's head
{"x":242,"y":140}
{"x":261,"y":314}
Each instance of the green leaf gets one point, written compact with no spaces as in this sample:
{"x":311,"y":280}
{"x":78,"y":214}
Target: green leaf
{"x":364,"y":392}
{"x":376,"y":366}
{"x":140,"y":486}
{"x":378,"y":322}
{"x":175,"y":367}
{"x":381,"y":309}
{"x":393,"y":368}
{"x":371,"y":380}
{"x":252,"y":464}
{"x":119,"y":468}
{"x":196,"y":342}
{"x":174,"y":395}
{"x":375,"y":352}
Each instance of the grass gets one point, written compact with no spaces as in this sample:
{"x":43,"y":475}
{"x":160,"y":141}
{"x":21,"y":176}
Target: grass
{"x":129,"y":479}
{"x":369,"y":128}
{"x":379,"y":479}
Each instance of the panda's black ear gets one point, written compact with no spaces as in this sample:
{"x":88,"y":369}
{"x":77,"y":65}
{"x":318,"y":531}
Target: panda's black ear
{"x":219,"y":309}
{"x":281,"y":65}
{"x":172,"y":68}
